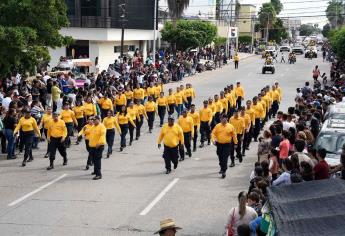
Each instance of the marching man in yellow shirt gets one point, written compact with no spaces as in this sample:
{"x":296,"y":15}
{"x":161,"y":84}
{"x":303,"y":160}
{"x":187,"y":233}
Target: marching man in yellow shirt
{"x":96,"y":144}
{"x":187,"y":125}
{"x":196,"y":121}
{"x":239,"y":91}
{"x":223,"y":135}
{"x":172,"y":136}
{"x":206,"y":115}
{"x":238,"y":123}
{"x":57,"y":133}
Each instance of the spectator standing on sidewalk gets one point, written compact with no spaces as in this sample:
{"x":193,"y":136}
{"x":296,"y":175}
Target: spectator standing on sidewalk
{"x":236,"y":60}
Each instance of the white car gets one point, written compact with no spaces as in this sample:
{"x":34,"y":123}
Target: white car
{"x":285,"y":48}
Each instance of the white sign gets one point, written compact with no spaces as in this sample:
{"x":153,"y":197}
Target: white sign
{"x":233,"y":32}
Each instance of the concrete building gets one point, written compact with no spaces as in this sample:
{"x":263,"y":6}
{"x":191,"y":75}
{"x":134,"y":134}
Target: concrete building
{"x":96,"y":27}
{"x":292,"y":25}
{"x":245,"y":21}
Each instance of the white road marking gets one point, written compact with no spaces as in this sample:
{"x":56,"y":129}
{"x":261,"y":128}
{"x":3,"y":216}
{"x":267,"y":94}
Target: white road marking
{"x":159,"y":197}
{"x":36,"y":190}
{"x":196,"y":159}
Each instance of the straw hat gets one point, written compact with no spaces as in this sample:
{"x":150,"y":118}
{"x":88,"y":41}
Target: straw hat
{"x":167,"y":224}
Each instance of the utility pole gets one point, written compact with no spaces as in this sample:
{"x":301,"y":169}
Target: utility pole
{"x":122,"y":8}
{"x":154,"y":32}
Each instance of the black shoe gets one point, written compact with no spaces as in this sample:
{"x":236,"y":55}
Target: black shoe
{"x":30,"y":160}
{"x":150,"y":131}
{"x":240,"y":159}
{"x":93,"y":173}
{"x":175,"y":165}
{"x":220,"y":172}
{"x":64,"y":163}
{"x":77,"y":143}
{"x":232,"y":164}
{"x":201,"y":145}
{"x":24,"y":163}
{"x":160,"y":125}
{"x":11,"y":157}
{"x":243,"y":154}
{"x":108,"y":155}
{"x":194,"y":149}
{"x":136,"y":138}
{"x":46,"y":155}
{"x":121,"y":149}
{"x":247,"y":148}
{"x":190,"y":154}
{"x":87,"y":167}
{"x":130,"y":143}
{"x":181,"y":159}
{"x":50,"y":167}
{"x":209,"y":143}
{"x":97,"y":177}
{"x":168,"y":172}
{"x":223,"y":175}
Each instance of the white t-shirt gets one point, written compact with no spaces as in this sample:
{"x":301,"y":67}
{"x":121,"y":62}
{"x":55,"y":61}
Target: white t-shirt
{"x":234,"y":216}
{"x":6,"y":102}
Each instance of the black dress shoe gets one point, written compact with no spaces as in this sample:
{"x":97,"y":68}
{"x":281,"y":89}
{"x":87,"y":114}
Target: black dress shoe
{"x":30,"y":160}
{"x":175,"y":165}
{"x":50,"y":167}
{"x":247,"y":148}
{"x":181,"y":159}
{"x":194,"y":149}
{"x":201,"y":145}
{"x":136,"y":138}
{"x":65,"y":163}
{"x":223,"y":175}
{"x":86,"y":168}
{"x":121,"y":149}
{"x":130,"y":143}
{"x":208,"y":143}
{"x":240,"y":159}
{"x":232,"y":164}
{"x":97,"y":177}
{"x":93,"y":173}
{"x":46,"y":155}
{"x":220,"y":172}
{"x":168,"y":172}
{"x":24,"y":163}
{"x":108,"y":155}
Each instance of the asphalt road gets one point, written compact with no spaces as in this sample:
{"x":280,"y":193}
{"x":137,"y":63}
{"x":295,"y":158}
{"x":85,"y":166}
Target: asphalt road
{"x":135,"y":194}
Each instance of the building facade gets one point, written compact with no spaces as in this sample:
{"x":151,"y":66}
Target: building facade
{"x":246,"y":19}
{"x":96,"y":27}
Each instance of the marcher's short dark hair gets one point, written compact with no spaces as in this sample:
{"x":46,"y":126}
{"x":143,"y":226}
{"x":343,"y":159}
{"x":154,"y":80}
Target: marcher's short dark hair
{"x":322,"y":153}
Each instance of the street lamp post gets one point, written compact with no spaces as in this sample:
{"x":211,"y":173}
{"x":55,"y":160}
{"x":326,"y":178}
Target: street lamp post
{"x":122,"y":16}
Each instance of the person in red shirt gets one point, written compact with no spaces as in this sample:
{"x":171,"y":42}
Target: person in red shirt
{"x":321,"y":169}
{"x":284,"y":145}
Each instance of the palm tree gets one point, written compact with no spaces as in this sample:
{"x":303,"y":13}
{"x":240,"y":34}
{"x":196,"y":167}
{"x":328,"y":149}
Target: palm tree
{"x":176,"y":8}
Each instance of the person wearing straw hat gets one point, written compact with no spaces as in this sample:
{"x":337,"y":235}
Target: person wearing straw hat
{"x":167,"y":228}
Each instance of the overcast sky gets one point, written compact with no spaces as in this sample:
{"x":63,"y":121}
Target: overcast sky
{"x":292,"y":8}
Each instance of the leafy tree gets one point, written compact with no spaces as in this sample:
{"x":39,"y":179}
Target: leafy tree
{"x":189,"y":33}
{"x":334,"y":13}
{"x":325,"y":30}
{"x":219,"y":41}
{"x":177,"y":7}
{"x":307,"y":30}
{"x":267,"y":15}
{"x":277,"y":5}
{"x":278,"y":33}
{"x":27,"y":29}
{"x":245,"y":39}
{"x":337,"y":39}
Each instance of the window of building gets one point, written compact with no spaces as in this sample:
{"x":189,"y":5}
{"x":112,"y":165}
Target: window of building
{"x":90,"y":7}
{"x":117,"y":49}
{"x":70,"y":4}
{"x":131,"y":48}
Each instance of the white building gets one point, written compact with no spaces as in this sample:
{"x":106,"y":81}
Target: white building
{"x":96,"y":27}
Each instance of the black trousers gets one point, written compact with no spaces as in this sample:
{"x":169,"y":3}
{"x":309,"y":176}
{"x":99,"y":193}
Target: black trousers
{"x":205,"y":132}
{"x":232,"y":152}
{"x":96,"y":155}
{"x":189,"y":102}
{"x":187,"y":144}
{"x":150,"y":119}
{"x":131,"y":131}
{"x":81,"y":123}
{"x":27,"y":140}
{"x":110,"y":137}
{"x":104,"y":113}
{"x":171,"y":109}
{"x":257,"y":128}
{"x":161,"y":113}
{"x":89,"y":159}
{"x":216,"y":118}
{"x":239,"y":145}
{"x":69,"y":127}
{"x":45,"y":131}
{"x":223,"y":152}
{"x":239,"y":102}
{"x":236,"y":64}
{"x":275,"y":108}
{"x":138,"y":126}
{"x":170,"y":155}
{"x":245,"y":142}
{"x":124,"y":131}
{"x":250,"y":135}
{"x":195,"y":138}
{"x":55,"y":143}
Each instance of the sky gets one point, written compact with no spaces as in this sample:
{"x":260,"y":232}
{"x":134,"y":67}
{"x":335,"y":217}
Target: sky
{"x":308,"y":11}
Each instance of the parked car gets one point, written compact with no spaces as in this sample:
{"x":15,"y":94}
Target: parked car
{"x":298,"y":49}
{"x":285,"y":48}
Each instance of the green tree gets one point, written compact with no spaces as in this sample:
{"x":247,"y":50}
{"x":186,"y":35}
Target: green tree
{"x":277,"y":5}
{"x":245,"y":39}
{"x":267,"y":15}
{"x":306,"y":30}
{"x":177,"y":7}
{"x":189,"y":33}
{"x":219,"y":41}
{"x":334,"y":13}
{"x":325,"y":30}
{"x":27,"y":29}
{"x":337,"y":39}
{"x":278,"y":33}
